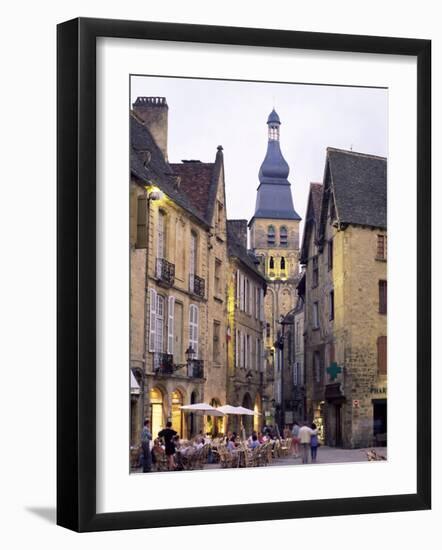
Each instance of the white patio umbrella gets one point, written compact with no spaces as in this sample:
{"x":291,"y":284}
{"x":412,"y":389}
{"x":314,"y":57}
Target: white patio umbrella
{"x":249,"y":412}
{"x":228,"y":409}
{"x":239,"y":411}
{"x":202,"y":408}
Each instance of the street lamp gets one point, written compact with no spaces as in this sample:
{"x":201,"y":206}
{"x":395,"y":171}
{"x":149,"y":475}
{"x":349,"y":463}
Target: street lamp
{"x":190,"y":356}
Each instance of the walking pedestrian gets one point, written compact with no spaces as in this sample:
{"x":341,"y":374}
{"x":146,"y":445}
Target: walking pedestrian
{"x":146,"y":438}
{"x":314,"y":444}
{"x":168,"y":434}
{"x":304,"y":438}
{"x":295,"y":439}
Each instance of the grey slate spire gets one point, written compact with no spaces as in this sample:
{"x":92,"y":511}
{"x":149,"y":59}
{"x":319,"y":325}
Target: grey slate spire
{"x":274,"y":198}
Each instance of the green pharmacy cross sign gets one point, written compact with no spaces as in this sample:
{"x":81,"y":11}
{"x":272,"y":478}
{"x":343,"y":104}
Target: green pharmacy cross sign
{"x":333,"y":370}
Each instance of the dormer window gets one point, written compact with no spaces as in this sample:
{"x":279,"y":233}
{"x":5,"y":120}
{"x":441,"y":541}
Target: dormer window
{"x":271,"y":235}
{"x":283,"y":236}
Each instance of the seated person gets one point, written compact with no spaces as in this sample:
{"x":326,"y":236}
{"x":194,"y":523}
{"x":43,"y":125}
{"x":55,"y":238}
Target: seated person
{"x":249,"y":440}
{"x":199,"y":443}
{"x":231,"y":445}
{"x":254,"y":442}
{"x":158,"y":452}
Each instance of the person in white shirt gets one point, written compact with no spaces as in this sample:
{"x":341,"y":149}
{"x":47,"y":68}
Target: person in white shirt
{"x":305,"y":434}
{"x":199,"y":444}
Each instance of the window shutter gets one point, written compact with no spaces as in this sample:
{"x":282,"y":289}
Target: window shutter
{"x":196,"y":312}
{"x":237,"y":349}
{"x":382,"y":355}
{"x":246,"y":351}
{"x":246,"y":295}
{"x":238,"y":283}
{"x":152,"y":319}
{"x":193,"y":328}
{"x":170,"y":324}
{"x":141,"y":222}
{"x":241,"y":290}
{"x":261,"y":304}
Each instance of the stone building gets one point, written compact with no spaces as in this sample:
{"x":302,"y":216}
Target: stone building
{"x":296,"y":390}
{"x":246,"y":287}
{"x":344,"y":251}
{"x":178,"y":242}
{"x":274,"y":239}
{"x":203,"y":184}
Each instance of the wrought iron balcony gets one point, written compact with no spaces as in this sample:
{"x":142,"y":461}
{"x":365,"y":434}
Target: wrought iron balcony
{"x":197,"y":285}
{"x":163,"y":363}
{"x":165,"y":272}
{"x":195,"y":368}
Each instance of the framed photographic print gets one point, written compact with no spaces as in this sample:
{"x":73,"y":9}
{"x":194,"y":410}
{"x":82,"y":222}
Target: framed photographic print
{"x":233,"y":204}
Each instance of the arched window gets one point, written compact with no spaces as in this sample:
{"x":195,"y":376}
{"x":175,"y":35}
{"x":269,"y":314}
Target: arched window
{"x":271,"y":235}
{"x":271,"y":263}
{"x":283,"y":236}
{"x":282,"y":263}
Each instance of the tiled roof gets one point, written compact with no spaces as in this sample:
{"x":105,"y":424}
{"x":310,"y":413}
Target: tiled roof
{"x":316,"y":197}
{"x":359,"y":183}
{"x":148,"y":165}
{"x":196,"y":179}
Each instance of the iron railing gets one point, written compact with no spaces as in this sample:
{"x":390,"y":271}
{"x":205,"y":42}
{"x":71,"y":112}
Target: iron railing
{"x":163,"y":363}
{"x":197,"y":285}
{"x":165,"y":272}
{"x":195,"y":368}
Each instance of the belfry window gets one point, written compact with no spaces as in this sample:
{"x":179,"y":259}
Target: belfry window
{"x":273,"y":132}
{"x":283,"y":236}
{"x":271,"y":235}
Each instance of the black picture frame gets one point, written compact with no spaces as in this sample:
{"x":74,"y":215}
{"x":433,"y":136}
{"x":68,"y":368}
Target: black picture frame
{"x":76,"y":273}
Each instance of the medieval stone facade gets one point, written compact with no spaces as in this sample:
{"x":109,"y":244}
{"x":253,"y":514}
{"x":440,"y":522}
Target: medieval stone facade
{"x":245,"y":308}
{"x":344,"y":251}
{"x":177,"y":287}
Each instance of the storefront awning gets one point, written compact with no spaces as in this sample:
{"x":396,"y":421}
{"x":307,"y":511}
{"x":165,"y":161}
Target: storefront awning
{"x":134,"y":386}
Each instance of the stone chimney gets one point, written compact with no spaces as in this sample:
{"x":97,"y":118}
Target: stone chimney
{"x":153,"y":111}
{"x":238,"y":229}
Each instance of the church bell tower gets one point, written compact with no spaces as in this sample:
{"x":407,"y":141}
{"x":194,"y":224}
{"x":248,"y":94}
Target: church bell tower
{"x":274,"y":232}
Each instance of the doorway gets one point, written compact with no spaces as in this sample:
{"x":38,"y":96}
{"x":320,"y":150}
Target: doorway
{"x":338,"y":425}
{"x":257,"y":410}
{"x":156,"y":411}
{"x":380,"y":422}
{"x":177,"y":414}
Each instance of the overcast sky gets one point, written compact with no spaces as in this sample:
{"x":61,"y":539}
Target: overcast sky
{"x":206,"y":113}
